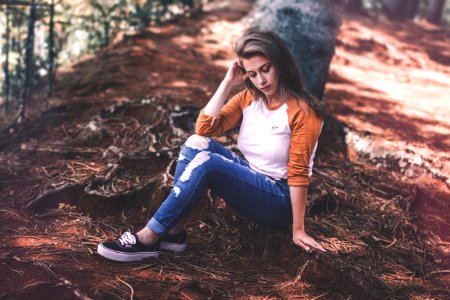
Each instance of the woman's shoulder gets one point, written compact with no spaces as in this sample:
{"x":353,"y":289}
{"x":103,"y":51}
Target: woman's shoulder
{"x":243,"y":98}
{"x":299,"y":110}
{"x":298,"y":105}
{"x":243,"y":95}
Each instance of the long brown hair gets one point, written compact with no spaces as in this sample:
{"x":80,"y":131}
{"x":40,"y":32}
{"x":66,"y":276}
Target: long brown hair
{"x":290,"y":80}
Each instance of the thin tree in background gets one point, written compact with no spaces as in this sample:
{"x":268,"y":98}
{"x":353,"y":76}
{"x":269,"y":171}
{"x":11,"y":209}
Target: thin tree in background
{"x":354,"y":5}
{"x":434,"y":11}
{"x":394,"y":8}
{"x":6,"y":66}
{"x":412,"y":8}
{"x":24,"y":93}
{"x":51,"y":50}
{"x":401,"y":9}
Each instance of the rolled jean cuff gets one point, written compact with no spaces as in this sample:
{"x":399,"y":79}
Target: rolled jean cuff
{"x":156,"y":227}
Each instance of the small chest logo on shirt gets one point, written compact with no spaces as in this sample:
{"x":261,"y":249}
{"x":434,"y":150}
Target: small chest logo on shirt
{"x":274,"y":127}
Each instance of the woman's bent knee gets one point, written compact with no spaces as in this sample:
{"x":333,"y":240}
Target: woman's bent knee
{"x":197,"y":142}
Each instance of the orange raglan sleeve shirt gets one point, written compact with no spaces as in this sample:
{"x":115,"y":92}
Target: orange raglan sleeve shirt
{"x":304,"y":130}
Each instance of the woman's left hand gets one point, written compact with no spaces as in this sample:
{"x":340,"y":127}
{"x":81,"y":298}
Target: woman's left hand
{"x":302,"y":239}
{"x":235,"y":74}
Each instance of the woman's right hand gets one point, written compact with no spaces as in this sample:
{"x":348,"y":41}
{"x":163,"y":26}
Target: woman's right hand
{"x":236,"y":74}
{"x":302,"y":239}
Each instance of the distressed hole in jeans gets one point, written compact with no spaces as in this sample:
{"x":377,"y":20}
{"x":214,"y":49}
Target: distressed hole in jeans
{"x":235,"y":156}
{"x":226,"y":159}
{"x":197,"y":142}
{"x":176,"y":191}
{"x":270,"y":179}
{"x":199,"y":159}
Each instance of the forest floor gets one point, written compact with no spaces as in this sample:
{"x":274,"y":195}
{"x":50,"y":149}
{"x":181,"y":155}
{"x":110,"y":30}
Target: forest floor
{"x":99,"y":157}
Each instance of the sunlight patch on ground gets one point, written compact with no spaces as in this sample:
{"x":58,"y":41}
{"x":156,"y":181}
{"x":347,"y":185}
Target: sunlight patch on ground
{"x":178,"y":83}
{"x":184,"y":41}
{"x":436,"y":78}
{"x":31,"y":241}
{"x":219,"y":41}
{"x":393,"y":91}
{"x":432,"y":98}
{"x":437,"y":129}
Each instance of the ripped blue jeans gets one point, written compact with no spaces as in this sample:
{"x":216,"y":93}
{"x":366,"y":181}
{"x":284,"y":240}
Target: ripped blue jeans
{"x":251,"y":194}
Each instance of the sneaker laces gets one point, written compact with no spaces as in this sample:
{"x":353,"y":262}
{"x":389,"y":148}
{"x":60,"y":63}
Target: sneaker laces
{"x":127,"y":239}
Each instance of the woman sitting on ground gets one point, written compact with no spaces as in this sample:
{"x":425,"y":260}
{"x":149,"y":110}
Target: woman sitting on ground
{"x":280,"y":123}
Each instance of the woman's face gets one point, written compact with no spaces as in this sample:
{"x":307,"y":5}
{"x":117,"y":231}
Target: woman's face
{"x":262,"y":74}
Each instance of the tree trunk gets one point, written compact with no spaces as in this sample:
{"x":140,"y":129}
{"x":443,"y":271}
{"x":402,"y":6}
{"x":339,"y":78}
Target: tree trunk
{"x":401,"y":9}
{"x":412,"y":8}
{"x":434,"y":11}
{"x":6,"y":65}
{"x":395,"y":9}
{"x":25,"y":92}
{"x":51,"y":50}
{"x":309,"y":28}
{"x":354,"y":5}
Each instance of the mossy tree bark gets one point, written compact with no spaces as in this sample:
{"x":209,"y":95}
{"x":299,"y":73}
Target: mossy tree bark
{"x":309,"y":28}
{"x":434,"y":11}
{"x":401,"y":9}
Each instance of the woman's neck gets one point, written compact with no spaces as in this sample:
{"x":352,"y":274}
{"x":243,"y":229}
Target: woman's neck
{"x":273,"y":100}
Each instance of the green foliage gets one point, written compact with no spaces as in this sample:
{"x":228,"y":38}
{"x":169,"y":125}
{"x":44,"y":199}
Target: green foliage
{"x":107,"y":18}
{"x":18,"y":23}
{"x":141,"y":15}
{"x":81,"y":27}
{"x":377,"y":5}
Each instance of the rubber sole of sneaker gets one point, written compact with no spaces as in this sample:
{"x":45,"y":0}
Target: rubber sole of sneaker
{"x":175,"y":247}
{"x":125,"y":257}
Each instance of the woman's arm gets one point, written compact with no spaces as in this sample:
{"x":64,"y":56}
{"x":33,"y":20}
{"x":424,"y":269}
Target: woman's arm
{"x":299,"y":235}
{"x":233,"y":78}
{"x":216,"y":118}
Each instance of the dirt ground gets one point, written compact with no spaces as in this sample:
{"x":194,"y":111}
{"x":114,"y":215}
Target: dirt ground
{"x":99,"y":157}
